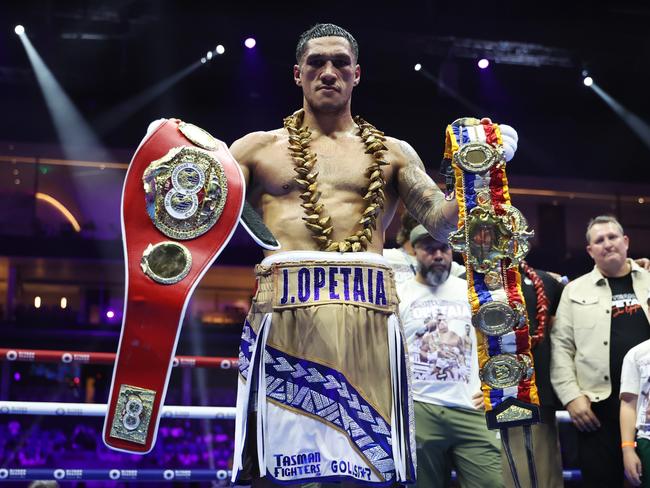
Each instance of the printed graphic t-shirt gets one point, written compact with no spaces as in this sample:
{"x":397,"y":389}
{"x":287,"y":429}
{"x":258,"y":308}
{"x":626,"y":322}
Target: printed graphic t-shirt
{"x":629,"y":326}
{"x":441,"y":342}
{"x":635,"y":378}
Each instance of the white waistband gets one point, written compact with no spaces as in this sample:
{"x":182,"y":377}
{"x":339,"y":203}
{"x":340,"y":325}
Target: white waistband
{"x":300,"y":256}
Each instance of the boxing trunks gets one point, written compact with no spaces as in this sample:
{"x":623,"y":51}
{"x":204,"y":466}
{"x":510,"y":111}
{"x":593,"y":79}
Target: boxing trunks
{"x":323,"y":390}
{"x":182,"y":198}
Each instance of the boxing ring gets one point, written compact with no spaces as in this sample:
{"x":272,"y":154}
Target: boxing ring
{"x":61,"y":409}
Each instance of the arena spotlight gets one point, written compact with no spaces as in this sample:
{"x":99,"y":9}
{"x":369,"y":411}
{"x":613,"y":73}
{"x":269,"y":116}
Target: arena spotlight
{"x":110,"y":314}
{"x":220,"y":49}
{"x":203,"y":60}
{"x":636,"y":124}
{"x":451,"y":92}
{"x":19,"y":29}
{"x":77,"y":138}
{"x":483,"y":63}
{"x":250,"y":43}
{"x":417,"y":67}
{"x":588,"y":81}
{"x":209,"y":55}
{"x":116,"y":116}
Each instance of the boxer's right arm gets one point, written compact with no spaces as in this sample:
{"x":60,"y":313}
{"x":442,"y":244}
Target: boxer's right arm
{"x":244,"y":151}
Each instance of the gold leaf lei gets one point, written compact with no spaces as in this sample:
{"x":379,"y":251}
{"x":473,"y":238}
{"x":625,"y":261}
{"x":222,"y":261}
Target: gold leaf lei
{"x":316,"y":219}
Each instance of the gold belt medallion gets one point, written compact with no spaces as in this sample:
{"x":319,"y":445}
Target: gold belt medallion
{"x":506,"y":370}
{"x":166,"y":262}
{"x":185,"y":192}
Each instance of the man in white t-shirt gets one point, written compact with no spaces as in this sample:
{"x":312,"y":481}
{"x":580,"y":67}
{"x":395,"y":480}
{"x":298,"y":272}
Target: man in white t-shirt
{"x":450,"y":429}
{"x":402,"y":258}
{"x":635,"y":414}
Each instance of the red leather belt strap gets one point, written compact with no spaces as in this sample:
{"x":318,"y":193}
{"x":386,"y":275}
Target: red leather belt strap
{"x":153,"y":311}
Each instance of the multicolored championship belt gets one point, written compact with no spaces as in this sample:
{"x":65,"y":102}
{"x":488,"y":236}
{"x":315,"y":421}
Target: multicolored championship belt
{"x":493,"y":237}
{"x":182,"y":198}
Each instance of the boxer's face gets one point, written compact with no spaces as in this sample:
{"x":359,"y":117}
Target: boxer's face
{"x":327,"y":73}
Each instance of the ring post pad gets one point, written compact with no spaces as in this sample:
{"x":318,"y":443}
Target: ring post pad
{"x":182,"y":198}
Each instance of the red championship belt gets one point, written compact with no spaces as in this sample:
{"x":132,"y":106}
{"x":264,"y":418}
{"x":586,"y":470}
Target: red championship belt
{"x":182,"y":199}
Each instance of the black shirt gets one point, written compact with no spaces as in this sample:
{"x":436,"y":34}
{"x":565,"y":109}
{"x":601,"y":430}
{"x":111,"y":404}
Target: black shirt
{"x":629,"y":326}
{"x":542,"y":352}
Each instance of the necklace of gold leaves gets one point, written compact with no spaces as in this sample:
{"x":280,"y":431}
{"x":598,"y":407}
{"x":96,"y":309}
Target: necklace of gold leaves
{"x":316,"y":218}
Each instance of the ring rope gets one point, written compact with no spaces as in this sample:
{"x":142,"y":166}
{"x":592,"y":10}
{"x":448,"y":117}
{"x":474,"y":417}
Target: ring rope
{"x":169,"y":411}
{"x":61,"y":474}
{"x":128,"y":474}
{"x":99,"y":410}
{"x":82,"y":357}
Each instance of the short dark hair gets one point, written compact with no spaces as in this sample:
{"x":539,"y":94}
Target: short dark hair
{"x":603,"y":219}
{"x":325,"y":30}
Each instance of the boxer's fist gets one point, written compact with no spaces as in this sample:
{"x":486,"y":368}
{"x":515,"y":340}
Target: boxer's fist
{"x":509,"y":136}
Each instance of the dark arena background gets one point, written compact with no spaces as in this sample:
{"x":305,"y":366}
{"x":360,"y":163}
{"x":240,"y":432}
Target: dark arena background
{"x":82,"y":81}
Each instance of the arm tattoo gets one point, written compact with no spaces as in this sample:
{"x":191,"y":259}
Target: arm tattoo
{"x":422,"y":197}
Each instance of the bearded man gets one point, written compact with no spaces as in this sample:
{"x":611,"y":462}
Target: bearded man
{"x":449,"y":427}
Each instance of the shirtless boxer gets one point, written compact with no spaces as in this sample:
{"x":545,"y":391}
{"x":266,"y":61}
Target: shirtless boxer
{"x":333,"y":403}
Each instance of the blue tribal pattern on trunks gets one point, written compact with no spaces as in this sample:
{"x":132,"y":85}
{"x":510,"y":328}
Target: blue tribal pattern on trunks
{"x":325,"y":393}
{"x":248,"y":341}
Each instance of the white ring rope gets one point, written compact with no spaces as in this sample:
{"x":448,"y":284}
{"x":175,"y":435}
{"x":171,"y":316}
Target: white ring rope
{"x":99,"y":410}
{"x":168,"y":411}
{"x":128,"y":474}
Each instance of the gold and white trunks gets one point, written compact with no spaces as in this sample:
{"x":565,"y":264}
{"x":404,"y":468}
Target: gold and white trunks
{"x":323,"y":390}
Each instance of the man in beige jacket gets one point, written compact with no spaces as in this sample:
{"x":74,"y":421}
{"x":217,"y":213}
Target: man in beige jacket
{"x":601,"y":316}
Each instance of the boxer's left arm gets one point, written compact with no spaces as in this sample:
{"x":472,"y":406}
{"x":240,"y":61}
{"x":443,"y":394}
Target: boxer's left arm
{"x":422,"y":197}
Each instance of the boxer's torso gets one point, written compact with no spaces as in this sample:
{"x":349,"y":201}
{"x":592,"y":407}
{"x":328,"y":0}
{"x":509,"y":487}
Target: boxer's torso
{"x":342,"y":178}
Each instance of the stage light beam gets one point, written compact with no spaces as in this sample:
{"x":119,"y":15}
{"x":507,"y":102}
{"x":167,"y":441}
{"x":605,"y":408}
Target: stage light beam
{"x":588,"y":81}
{"x":19,"y":29}
{"x":483,"y":63}
{"x":465,"y":102}
{"x":250,"y":43}
{"x":77,"y":139}
{"x":220,"y":49}
{"x":417,"y":67}
{"x":111,"y":119}
{"x":636,"y":124}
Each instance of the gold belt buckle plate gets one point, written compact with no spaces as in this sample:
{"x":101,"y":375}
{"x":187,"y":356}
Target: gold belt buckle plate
{"x":133,"y":414}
